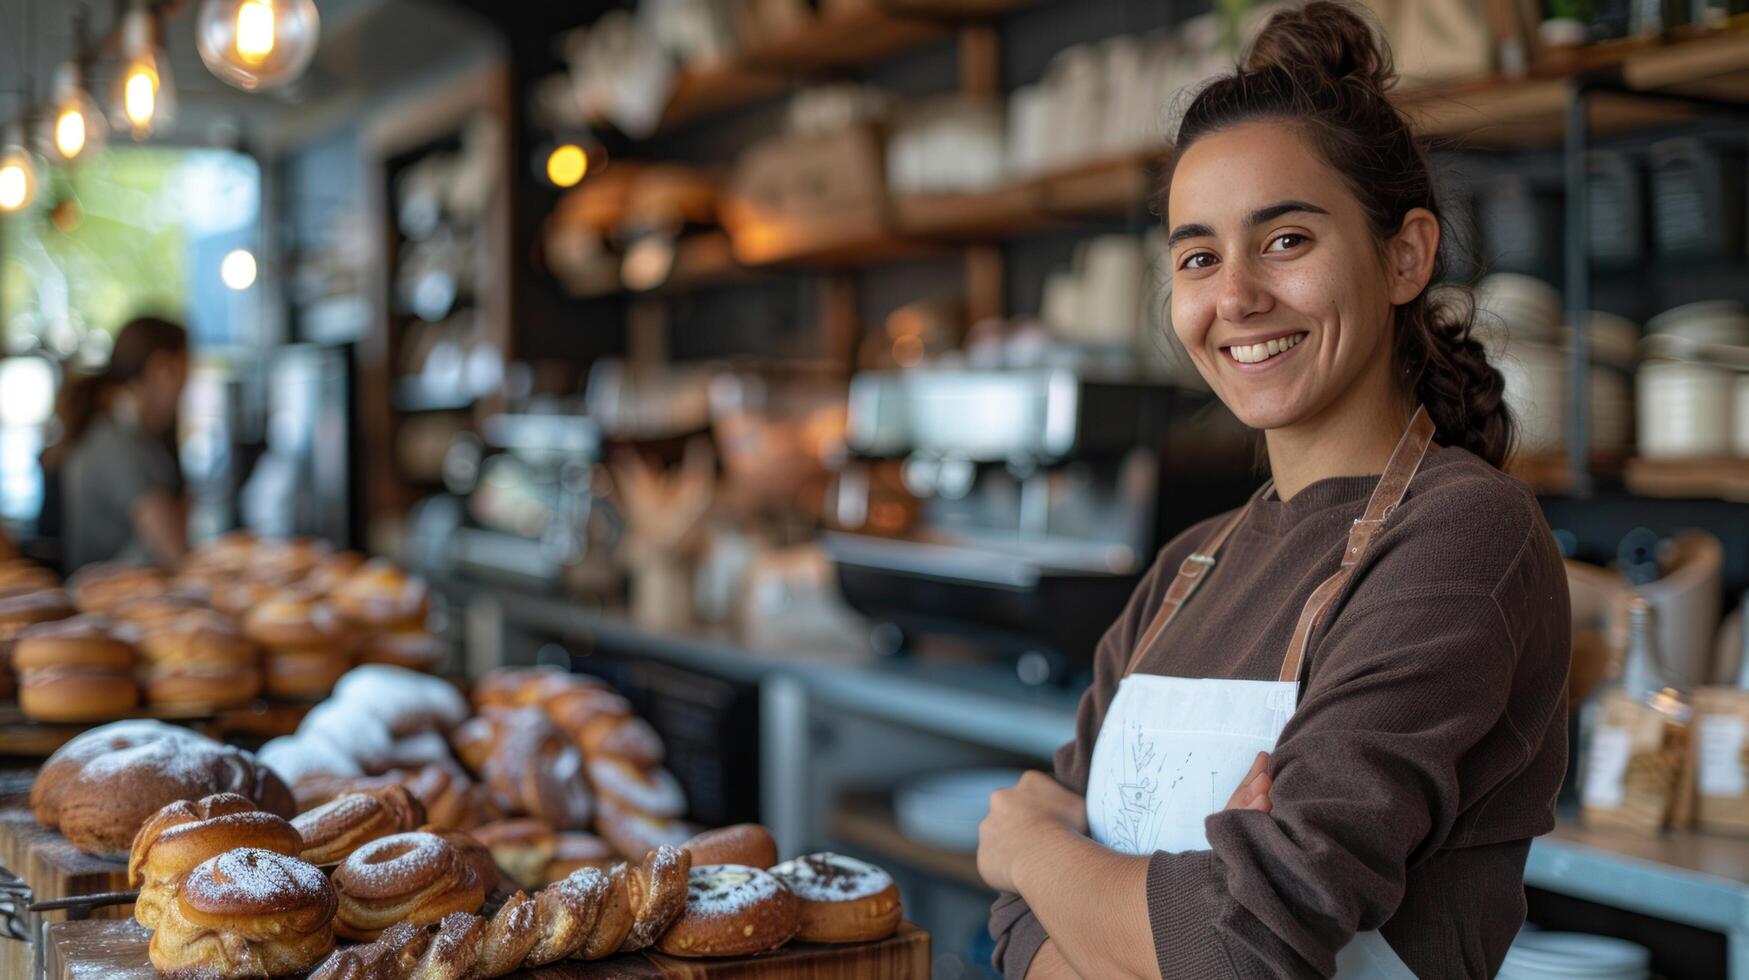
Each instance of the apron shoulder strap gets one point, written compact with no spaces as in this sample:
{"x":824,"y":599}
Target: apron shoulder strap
{"x":1405,"y":462}
{"x":1191,"y":572}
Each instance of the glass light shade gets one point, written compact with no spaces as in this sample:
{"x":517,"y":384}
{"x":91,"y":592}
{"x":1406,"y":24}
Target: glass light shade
{"x":73,"y":128}
{"x":144,"y":97}
{"x":17,"y":178}
{"x":257,"y":44}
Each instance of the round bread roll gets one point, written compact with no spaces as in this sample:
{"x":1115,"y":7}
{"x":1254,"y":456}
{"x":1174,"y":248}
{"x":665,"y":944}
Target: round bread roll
{"x":572,"y":851}
{"x":202,"y":688}
{"x":331,"y":571}
{"x":87,"y":641}
{"x":105,"y":587}
{"x":304,"y":675}
{"x":292,"y":619}
{"x":332,"y":831}
{"x":731,"y":910}
{"x":246,"y":912}
{"x":202,"y":638}
{"x":743,"y":843}
{"x":287,"y":560}
{"x":651,"y":791}
{"x":229,"y":552}
{"x":841,"y":899}
{"x":66,"y":695}
{"x":22,"y":575}
{"x":411,"y":649}
{"x":173,"y":841}
{"x":150,"y":611}
{"x":28,"y":607}
{"x":101,"y":786}
{"x":521,"y":848}
{"x":382,"y":596}
{"x":235,"y":597}
{"x":416,"y":878}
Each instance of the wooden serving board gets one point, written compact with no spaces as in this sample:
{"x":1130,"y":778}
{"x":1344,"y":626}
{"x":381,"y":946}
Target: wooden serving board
{"x":117,"y":951}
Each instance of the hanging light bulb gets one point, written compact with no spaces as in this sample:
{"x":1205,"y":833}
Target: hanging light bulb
{"x":74,"y":129}
{"x":17,"y":173}
{"x":144,"y":98}
{"x":257,"y":44}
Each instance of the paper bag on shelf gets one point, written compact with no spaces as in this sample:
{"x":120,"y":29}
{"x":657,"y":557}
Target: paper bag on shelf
{"x":1634,"y":768}
{"x":1717,"y":756}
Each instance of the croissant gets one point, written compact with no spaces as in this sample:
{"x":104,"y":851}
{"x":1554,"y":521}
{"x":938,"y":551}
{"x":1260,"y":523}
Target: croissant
{"x":588,"y":915}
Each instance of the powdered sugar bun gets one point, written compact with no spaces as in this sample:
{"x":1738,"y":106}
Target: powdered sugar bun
{"x":841,"y":899}
{"x":732,"y":910}
{"x":353,"y":729}
{"x":296,"y":757}
{"x":407,"y":701}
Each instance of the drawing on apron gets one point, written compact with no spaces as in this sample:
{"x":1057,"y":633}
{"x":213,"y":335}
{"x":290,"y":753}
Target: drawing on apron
{"x":1135,"y":824}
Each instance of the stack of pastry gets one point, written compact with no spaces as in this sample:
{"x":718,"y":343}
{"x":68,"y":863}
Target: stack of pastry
{"x":24,"y":575}
{"x":75,"y":670}
{"x":199,"y":660}
{"x":19,"y":610}
{"x":102,"y":587}
{"x":389,"y":609}
{"x":307,"y":648}
{"x":529,"y":767}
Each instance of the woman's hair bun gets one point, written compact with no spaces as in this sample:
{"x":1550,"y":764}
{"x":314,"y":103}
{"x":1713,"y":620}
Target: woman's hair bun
{"x":1324,"y":41}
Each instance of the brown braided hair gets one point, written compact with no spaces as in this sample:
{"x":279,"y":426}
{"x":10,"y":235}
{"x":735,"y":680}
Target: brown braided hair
{"x":1324,"y":68}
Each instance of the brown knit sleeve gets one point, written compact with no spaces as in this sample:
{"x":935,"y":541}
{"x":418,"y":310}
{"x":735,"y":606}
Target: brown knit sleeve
{"x":1018,"y":933}
{"x":1402,"y":728}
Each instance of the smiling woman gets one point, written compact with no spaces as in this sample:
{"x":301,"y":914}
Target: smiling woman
{"x":1333,"y":760}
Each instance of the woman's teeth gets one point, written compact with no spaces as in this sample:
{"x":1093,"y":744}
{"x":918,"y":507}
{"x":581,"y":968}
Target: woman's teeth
{"x":1253,"y":353}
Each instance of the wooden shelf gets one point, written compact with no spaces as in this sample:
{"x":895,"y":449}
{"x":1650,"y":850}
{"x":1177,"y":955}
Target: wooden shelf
{"x":1546,"y":473}
{"x":865,"y":819}
{"x":1723,"y":479}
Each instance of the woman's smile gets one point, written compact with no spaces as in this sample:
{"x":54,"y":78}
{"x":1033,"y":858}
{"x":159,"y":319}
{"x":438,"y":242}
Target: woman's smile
{"x":1261,"y":354}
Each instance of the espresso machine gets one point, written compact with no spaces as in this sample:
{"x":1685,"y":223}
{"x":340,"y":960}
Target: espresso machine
{"x":1015,"y":510}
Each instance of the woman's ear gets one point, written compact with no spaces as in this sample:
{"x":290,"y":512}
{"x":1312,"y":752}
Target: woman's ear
{"x":1411,"y":253}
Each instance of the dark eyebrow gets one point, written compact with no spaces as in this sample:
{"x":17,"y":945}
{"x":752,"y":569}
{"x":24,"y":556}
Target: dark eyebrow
{"x":1261,"y":216}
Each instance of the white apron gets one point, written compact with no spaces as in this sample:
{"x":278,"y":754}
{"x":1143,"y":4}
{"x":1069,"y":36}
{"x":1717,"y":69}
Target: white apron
{"x":1172,"y":750}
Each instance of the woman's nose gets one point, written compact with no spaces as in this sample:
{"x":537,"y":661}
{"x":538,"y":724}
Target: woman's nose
{"x":1242,"y":294}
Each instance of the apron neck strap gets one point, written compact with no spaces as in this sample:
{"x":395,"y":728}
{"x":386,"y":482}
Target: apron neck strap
{"x":1393,"y":485}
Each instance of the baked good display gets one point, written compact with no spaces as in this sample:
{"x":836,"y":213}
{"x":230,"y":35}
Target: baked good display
{"x":246,"y":913}
{"x":236,"y":596}
{"x":149,"y":611}
{"x":451,"y":799}
{"x":653,"y":792}
{"x":413,"y":649}
{"x":416,"y":878}
{"x":199,"y":659}
{"x":628,"y":738}
{"x":22,"y":575}
{"x":743,"y":843}
{"x":473,"y":852}
{"x":732,"y":910}
{"x":841,"y":899}
{"x":173,"y":841}
{"x":534,"y":771}
{"x":283,"y":561}
{"x":332,"y":570}
{"x":334,"y":830}
{"x":588,"y":915}
{"x":381,"y":596}
{"x":100,"y":787}
{"x":572,"y":851}
{"x":75,"y":670}
{"x":307,"y":649}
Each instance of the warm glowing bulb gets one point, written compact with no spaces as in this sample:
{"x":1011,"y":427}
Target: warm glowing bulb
{"x":238,"y":269}
{"x":255,"y":31}
{"x":14,"y":187}
{"x":140,"y":97}
{"x":70,"y":133}
{"x":567,"y":165}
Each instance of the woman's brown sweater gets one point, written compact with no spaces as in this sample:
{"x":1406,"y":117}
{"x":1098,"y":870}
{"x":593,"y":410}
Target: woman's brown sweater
{"x":1426,"y":751}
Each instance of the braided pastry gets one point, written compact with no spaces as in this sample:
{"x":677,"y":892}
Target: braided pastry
{"x":246,"y":913}
{"x":335,"y":829}
{"x":588,"y":915}
{"x":415,"y":877}
{"x":173,"y":841}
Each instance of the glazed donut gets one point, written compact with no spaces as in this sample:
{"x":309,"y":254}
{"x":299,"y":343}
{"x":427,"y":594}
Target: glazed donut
{"x":409,"y":649}
{"x":291,"y":619}
{"x":732,"y":910}
{"x":335,"y":829}
{"x":304,"y":675}
{"x":183,"y":834}
{"x":572,"y":851}
{"x":743,"y":843}
{"x":522,"y":848}
{"x":622,"y":737}
{"x":382,"y":596}
{"x":632,"y":833}
{"x":414,"y":877}
{"x":246,"y":913}
{"x":650,"y":791}
{"x":841,"y":899}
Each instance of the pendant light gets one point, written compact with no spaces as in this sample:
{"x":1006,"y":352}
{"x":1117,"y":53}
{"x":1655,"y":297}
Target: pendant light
{"x":18,"y":171}
{"x":144,"y":99}
{"x":257,"y":44}
{"x":74,"y":128}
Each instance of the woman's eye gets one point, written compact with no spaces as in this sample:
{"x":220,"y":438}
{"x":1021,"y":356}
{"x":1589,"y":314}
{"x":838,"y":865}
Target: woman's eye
{"x":1283,"y":243}
{"x":1199,"y":260}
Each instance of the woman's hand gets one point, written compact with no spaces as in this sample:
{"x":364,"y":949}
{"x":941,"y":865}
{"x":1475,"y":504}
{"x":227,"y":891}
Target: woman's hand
{"x":1253,"y":791}
{"x":1023,"y":818}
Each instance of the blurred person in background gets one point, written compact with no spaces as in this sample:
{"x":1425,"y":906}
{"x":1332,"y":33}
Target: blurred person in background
{"x":115,"y":466}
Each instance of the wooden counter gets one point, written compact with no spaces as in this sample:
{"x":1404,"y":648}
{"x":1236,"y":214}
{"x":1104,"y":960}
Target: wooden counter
{"x":117,"y":951}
